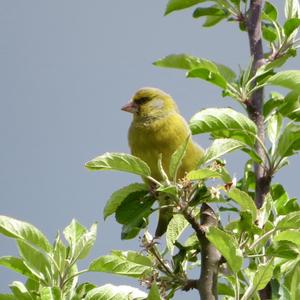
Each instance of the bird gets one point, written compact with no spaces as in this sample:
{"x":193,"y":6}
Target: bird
{"x":158,"y":130}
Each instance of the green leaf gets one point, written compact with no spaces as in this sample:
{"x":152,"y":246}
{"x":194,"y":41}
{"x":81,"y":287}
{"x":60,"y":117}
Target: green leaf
{"x":221,"y":147}
{"x":74,"y":231}
{"x":295,"y":280}
{"x":72,"y":280}
{"x":292,"y":9}
{"x":227,"y":246}
{"x":154,"y":293}
{"x":246,"y":223}
{"x":169,"y":189}
{"x":119,"y":196}
{"x":208,"y":11}
{"x":82,"y":290}
{"x":247,"y":182}
{"x":213,"y":20}
{"x":270,"y":10}
{"x":265,"y":211}
{"x":290,"y":107}
{"x":253,"y":155}
{"x":244,"y":200}
{"x":289,"y":141}
{"x":22,"y":230}
{"x":16,"y":264}
{"x":20,"y":291}
{"x":236,"y":2}
{"x":176,"y":159}
{"x":263,"y":275}
{"x":282,"y":203}
{"x":226,"y":177}
{"x":224,"y":123}
{"x":289,"y":235}
{"x":7,"y":297}
{"x":290,"y":221}
{"x":135,"y":257}
{"x":133,"y":213}
{"x":277,"y":63}
{"x":226,"y":72}
{"x":203,"y":174}
{"x":119,"y":162}
{"x":290,"y":26}
{"x":125,"y":263}
{"x":275,"y":101}
{"x":186,"y":62}
{"x":59,"y":253}
{"x":175,"y":228}
{"x":192,"y":242}
{"x":131,"y":231}
{"x":269,"y":33}
{"x":286,"y":79}
{"x":112,"y":292}
{"x":32,"y":284}
{"x":279,"y":196}
{"x":174,"y":5}
{"x":291,"y":205}
{"x":162,"y":173}
{"x":135,"y":207}
{"x":50,"y":293}
{"x":224,"y":289}
{"x":283,"y":249}
{"x":209,"y":76}
{"x":274,"y":128}
{"x":36,"y":260}
{"x":284,"y":293}
{"x":82,"y":246}
{"x":80,"y":239}
{"x":189,"y":62}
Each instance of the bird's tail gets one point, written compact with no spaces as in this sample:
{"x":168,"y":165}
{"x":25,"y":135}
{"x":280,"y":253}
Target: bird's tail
{"x":165,"y":216}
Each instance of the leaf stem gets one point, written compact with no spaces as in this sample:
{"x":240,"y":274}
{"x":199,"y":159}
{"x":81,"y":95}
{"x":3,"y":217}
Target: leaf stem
{"x":153,"y":251}
{"x":73,"y":276}
{"x":154,"y":180}
{"x":268,"y":233}
{"x":237,"y":289}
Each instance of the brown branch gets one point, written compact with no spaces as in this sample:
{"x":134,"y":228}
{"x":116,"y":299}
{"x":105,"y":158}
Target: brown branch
{"x":190,"y":284}
{"x":255,"y":110}
{"x":210,"y":257}
{"x":255,"y":105}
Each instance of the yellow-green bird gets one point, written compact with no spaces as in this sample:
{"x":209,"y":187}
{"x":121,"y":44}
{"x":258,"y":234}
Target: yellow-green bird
{"x":158,"y":129}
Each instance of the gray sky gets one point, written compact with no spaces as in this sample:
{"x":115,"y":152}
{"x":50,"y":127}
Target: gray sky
{"x":66,"y":69}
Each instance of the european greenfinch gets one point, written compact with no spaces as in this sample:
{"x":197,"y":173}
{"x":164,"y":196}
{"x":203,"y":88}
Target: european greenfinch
{"x":157,"y":130}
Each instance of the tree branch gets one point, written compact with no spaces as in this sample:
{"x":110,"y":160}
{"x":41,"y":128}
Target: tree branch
{"x":255,"y":110}
{"x":210,"y":257}
{"x":255,"y":105}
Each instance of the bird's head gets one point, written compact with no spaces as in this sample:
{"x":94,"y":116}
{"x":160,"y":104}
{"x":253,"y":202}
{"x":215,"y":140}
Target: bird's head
{"x":150,"y":102}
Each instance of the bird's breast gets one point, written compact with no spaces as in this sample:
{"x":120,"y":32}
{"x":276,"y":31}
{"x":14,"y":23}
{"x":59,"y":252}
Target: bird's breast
{"x":148,"y":140}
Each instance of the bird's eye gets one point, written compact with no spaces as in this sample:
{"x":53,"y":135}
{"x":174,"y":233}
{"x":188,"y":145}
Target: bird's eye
{"x":142,"y":100}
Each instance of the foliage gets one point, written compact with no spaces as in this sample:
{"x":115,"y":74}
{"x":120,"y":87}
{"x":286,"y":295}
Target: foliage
{"x":51,"y":270}
{"x":258,"y":245}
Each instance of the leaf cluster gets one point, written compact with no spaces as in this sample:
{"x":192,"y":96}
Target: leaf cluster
{"x":51,"y":269}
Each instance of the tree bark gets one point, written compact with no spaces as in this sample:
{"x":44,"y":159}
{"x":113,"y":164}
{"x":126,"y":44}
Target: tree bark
{"x":210,"y":257}
{"x":255,"y":111}
{"x":255,"y":105}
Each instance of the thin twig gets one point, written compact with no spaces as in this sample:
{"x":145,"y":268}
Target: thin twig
{"x":261,"y":238}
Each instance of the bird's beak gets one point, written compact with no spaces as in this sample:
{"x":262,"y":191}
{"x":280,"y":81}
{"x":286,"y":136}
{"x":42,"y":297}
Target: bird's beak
{"x":131,"y":107}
